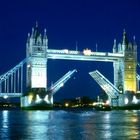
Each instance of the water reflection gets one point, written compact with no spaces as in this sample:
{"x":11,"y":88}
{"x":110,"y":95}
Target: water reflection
{"x":4,"y":124}
{"x":131,"y":127}
{"x":67,"y":125}
{"x":38,"y":124}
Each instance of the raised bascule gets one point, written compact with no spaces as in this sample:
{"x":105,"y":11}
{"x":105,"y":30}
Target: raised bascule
{"x":120,"y":93}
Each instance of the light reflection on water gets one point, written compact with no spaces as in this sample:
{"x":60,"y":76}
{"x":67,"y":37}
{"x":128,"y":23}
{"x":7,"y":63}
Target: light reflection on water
{"x":68,"y":125}
{"x":4,"y":124}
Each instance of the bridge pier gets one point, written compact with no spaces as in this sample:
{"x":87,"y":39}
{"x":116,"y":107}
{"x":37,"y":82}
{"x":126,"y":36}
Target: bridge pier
{"x":37,"y":99}
{"x":114,"y":101}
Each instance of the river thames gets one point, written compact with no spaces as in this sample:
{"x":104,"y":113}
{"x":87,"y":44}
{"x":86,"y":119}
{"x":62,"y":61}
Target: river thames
{"x":69,"y":125}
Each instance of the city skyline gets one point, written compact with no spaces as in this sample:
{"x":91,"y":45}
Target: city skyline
{"x":87,"y":23}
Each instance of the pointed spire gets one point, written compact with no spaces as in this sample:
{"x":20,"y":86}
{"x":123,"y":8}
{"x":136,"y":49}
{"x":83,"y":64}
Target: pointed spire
{"x":134,"y":40}
{"x":114,"y":46}
{"x":114,"y":43}
{"x":28,"y":35}
{"x":124,"y":41}
{"x":96,"y":47}
{"x":124,"y":34}
{"x":28,"y":38}
{"x":134,"y":37}
{"x":32,"y":32}
{"x":76,"y":45}
{"x":45,"y":33}
{"x":36,"y":24}
{"x":134,"y":43}
{"x":36,"y":33}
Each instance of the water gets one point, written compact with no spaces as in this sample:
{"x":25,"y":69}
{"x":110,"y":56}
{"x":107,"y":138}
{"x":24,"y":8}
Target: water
{"x":68,"y":125}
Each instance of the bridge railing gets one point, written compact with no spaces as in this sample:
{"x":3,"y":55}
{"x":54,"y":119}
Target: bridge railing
{"x":11,"y":82}
{"x":107,"y":86}
{"x":57,"y":85}
{"x":84,"y":52}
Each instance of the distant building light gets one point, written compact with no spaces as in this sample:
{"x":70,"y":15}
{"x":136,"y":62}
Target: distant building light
{"x":94,"y":104}
{"x":66,"y":104}
{"x":107,"y":102}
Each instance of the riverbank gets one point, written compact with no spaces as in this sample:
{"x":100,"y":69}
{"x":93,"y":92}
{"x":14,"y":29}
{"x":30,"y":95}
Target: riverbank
{"x":130,"y":107}
{"x":16,"y":106}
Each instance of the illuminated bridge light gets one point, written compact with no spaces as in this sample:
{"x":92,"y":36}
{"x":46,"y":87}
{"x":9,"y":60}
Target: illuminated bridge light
{"x":28,"y":66}
{"x":126,"y":100}
{"x":62,"y":84}
{"x":66,"y":50}
{"x":87,"y":52}
{"x":53,"y":57}
{"x":46,"y":99}
{"x":5,"y":96}
{"x":38,"y":99}
{"x":30,"y":98}
{"x":135,"y":100}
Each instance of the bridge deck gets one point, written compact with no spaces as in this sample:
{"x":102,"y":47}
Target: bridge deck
{"x":89,"y":56}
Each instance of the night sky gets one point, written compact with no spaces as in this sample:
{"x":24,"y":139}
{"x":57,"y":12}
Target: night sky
{"x":86,"y":21}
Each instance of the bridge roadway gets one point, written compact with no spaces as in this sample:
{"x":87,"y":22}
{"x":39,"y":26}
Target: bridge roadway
{"x":86,"y":55}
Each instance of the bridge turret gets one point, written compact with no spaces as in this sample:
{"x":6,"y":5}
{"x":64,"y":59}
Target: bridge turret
{"x":124,"y":43}
{"x":134,"y":44}
{"x":28,"y":39}
{"x":120,"y":50}
{"x":45,"y":38}
{"x":124,"y":40}
{"x":114,"y":47}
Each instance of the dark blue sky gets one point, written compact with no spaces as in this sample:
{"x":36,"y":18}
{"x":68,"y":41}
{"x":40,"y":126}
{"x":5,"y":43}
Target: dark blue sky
{"x":67,"y":21}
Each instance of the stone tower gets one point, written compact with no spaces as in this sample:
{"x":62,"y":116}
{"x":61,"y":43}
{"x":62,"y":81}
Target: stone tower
{"x":36,"y":51}
{"x":130,"y":64}
{"x":125,"y":69}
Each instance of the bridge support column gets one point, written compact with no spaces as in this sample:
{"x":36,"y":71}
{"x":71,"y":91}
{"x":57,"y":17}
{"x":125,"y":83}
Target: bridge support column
{"x":114,"y":101}
{"x":36,"y":100}
{"x":121,"y":99}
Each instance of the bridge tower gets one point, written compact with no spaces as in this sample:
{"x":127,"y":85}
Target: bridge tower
{"x":125,"y":69}
{"x":130,"y":63}
{"x":36,"y":69}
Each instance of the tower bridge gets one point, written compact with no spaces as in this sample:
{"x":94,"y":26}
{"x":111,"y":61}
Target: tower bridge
{"x":123,"y":57}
